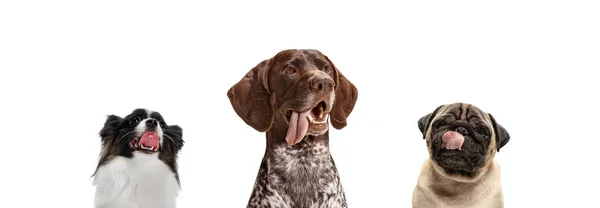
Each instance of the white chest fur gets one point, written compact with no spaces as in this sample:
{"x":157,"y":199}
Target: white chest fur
{"x":143,"y":181}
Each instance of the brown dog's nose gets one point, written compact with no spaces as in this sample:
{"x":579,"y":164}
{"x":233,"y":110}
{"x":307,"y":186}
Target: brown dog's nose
{"x":322,"y":84}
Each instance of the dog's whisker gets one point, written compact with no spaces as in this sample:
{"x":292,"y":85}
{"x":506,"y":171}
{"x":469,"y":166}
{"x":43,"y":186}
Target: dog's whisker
{"x":176,"y":142}
{"x":169,"y":137}
{"x":128,"y":133}
{"x":169,"y":130}
{"x":173,"y":134}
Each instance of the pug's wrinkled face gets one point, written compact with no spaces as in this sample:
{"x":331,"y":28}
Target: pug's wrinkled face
{"x":461,"y":138}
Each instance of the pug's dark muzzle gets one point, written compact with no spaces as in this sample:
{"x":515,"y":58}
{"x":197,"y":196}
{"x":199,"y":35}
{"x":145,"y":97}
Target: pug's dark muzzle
{"x":468,"y":159}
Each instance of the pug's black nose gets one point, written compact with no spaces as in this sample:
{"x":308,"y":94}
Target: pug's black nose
{"x":151,"y":123}
{"x":462,"y":130}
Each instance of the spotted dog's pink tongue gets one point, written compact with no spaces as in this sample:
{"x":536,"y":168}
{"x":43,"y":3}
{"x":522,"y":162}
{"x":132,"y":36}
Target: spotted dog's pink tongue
{"x":297,"y":128}
{"x":452,"y":140}
{"x":149,"y":141}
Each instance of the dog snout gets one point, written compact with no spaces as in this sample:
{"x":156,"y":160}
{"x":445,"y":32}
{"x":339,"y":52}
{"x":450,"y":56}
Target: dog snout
{"x":151,"y":123}
{"x":321,"y":84}
{"x":462,"y":130}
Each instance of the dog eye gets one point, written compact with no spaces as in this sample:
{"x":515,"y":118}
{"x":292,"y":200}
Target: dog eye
{"x":162,"y":124}
{"x":483,"y":131}
{"x":134,"y":120}
{"x":437,"y":124}
{"x":289,"y":70}
{"x":326,"y":68}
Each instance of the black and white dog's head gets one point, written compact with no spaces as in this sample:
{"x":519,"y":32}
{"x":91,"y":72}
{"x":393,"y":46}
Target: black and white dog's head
{"x":142,"y":131}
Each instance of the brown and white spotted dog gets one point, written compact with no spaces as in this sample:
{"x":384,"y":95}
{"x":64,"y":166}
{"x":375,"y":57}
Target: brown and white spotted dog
{"x":291,"y":97}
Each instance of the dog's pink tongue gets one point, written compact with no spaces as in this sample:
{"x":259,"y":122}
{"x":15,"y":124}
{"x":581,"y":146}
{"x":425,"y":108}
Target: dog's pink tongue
{"x":297,"y":128}
{"x":150,"y":139}
{"x":452,"y":140}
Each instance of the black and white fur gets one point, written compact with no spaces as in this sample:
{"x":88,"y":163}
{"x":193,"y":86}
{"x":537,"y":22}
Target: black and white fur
{"x":129,"y":176}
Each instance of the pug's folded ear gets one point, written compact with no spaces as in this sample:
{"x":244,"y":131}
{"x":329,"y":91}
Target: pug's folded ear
{"x":502,"y":135}
{"x":425,"y":121}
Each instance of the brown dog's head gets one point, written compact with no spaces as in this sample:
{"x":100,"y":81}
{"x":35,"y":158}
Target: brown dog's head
{"x":296,"y":90}
{"x":462,"y":139}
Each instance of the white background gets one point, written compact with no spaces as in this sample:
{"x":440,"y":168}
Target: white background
{"x":65,"y":65}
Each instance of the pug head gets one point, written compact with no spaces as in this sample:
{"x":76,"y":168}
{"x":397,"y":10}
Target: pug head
{"x":462,"y":139}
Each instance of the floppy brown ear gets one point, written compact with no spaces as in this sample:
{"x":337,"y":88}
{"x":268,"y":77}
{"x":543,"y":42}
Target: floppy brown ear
{"x":502,"y":135}
{"x":345,"y":98}
{"x":250,"y":98}
{"x":425,"y":121}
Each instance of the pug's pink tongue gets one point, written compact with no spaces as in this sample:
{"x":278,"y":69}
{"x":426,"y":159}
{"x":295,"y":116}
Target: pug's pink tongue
{"x":297,"y":127}
{"x":150,"y":139}
{"x":452,"y":140}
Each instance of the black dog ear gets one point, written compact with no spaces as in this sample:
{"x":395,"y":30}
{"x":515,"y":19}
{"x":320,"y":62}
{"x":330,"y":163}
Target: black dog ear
{"x":174,"y":133}
{"x":176,"y":130}
{"x":502,"y":135}
{"x":426,"y":120}
{"x":110,"y":126}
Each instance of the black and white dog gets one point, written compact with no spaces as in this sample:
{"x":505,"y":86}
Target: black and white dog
{"x":138,"y":162}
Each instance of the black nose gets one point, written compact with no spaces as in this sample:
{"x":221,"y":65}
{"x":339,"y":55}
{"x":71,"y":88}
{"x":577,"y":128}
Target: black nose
{"x":462,"y":130}
{"x":151,"y":123}
{"x":322,"y":84}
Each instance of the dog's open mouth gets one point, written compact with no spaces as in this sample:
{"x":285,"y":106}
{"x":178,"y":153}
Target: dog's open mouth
{"x":312,"y":122}
{"x":318,"y":115}
{"x":147,"y":143}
